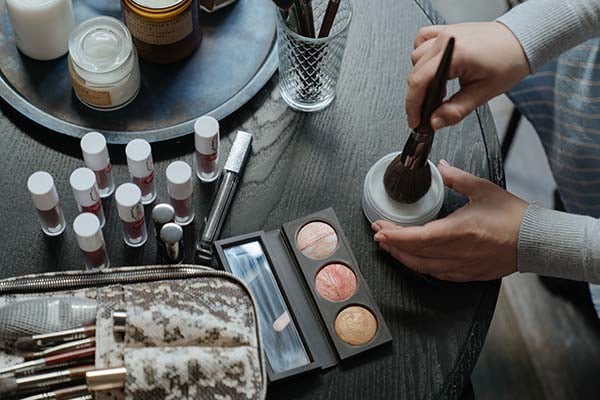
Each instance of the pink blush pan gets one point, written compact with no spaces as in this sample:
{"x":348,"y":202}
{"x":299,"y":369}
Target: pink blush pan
{"x":336,"y":282}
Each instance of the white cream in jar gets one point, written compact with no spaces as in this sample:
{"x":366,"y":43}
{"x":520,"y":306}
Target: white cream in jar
{"x":103,"y":64}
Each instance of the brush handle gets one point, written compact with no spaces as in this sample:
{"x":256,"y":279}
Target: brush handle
{"x":436,"y":90}
{"x":332,"y":9}
{"x":305,"y":15}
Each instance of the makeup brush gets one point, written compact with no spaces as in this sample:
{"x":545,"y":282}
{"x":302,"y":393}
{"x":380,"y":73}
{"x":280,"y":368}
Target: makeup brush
{"x":288,"y":8}
{"x":408,"y":177}
{"x":61,"y":348}
{"x":54,"y":361}
{"x":62,"y":394}
{"x":12,"y":385}
{"x":332,"y":9}
{"x":31,"y":317}
{"x":34,"y":342}
{"x":306,"y":18}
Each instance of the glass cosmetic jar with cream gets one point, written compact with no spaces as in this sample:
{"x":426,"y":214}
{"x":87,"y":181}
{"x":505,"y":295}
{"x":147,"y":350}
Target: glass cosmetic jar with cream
{"x":103,"y":64}
{"x":376,"y":203}
{"x":164,"y":31}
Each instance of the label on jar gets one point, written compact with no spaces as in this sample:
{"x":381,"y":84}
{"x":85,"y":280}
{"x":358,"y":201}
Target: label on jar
{"x":160,"y":33}
{"x":99,"y":98}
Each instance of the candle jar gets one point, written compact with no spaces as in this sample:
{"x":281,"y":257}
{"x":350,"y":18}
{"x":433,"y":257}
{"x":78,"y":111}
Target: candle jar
{"x":91,"y":241}
{"x":103,"y":64}
{"x":46,"y":201}
{"x":206,"y":156}
{"x":181,"y":190}
{"x":41,"y":27}
{"x":85,"y":192}
{"x":131,"y":213}
{"x":164,"y":31}
{"x":141,"y":168}
{"x":95,"y":157}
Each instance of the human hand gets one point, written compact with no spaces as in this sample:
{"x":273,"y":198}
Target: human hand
{"x":477,"y":242}
{"x":488,"y":60}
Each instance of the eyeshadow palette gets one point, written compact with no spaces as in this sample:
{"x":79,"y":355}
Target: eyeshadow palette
{"x":314,"y":305}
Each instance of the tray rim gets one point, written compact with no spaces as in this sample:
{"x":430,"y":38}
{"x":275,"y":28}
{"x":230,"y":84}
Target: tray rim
{"x":16,"y":101}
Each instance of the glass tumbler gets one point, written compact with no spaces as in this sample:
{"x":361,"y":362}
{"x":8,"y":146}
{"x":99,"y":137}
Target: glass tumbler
{"x":309,"y":68}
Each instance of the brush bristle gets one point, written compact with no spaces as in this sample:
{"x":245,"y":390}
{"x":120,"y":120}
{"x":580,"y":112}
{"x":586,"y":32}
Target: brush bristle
{"x":405,"y":185}
{"x":24,"y":344}
{"x":8,"y":386}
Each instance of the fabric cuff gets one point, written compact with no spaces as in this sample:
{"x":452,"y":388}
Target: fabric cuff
{"x":545,"y":29}
{"x":551,"y":243}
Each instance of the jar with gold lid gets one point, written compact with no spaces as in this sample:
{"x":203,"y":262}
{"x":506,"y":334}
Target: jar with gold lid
{"x":164,"y":31}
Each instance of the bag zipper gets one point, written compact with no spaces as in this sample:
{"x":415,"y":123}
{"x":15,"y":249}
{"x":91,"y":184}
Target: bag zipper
{"x":72,"y":280}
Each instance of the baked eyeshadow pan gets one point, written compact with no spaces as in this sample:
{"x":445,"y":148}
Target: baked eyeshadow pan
{"x":317,"y":240}
{"x":336,"y":282}
{"x":356,"y":325}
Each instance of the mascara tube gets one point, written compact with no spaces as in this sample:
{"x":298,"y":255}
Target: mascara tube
{"x":232,"y":171}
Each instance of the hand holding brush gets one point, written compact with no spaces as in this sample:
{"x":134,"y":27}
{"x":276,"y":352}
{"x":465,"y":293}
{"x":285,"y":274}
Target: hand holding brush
{"x":408,"y":177}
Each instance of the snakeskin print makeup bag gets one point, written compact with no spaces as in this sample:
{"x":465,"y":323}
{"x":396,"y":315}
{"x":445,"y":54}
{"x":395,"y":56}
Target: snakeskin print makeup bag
{"x":190,"y":332}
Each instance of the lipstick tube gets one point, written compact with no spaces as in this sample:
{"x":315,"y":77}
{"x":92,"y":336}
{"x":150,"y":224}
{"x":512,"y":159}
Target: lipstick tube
{"x":96,"y":158}
{"x":141,"y":168}
{"x":234,"y":166}
{"x":131,"y":213}
{"x":85,"y":191}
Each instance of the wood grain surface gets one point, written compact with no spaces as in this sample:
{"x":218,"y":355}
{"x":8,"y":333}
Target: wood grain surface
{"x":301,"y":164}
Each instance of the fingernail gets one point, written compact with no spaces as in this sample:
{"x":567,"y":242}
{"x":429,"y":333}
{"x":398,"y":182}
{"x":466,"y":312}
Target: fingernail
{"x":437,"y":123}
{"x":444,"y":163}
{"x":379,"y":237}
{"x":384,"y":247}
{"x":375,"y":226}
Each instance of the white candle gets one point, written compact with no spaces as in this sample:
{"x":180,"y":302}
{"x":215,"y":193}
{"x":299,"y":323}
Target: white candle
{"x":42,"y":27}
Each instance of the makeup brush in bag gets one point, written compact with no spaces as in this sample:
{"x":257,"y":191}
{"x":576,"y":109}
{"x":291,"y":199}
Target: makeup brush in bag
{"x":408,"y":177}
{"x":43,"y":315}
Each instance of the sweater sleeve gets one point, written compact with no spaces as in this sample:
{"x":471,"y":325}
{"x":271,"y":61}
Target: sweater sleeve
{"x":547,"y":28}
{"x":558,"y":244}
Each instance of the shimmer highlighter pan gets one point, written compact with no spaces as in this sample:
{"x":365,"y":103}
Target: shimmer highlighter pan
{"x":314,"y":306}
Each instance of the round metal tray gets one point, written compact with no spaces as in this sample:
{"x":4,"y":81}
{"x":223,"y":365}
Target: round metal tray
{"x":236,"y":58}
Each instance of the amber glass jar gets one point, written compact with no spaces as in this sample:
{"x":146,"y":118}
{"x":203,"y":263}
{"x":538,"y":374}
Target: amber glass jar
{"x":164,"y":31}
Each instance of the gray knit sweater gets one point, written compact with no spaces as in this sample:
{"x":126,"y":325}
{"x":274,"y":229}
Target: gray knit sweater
{"x":550,"y":242}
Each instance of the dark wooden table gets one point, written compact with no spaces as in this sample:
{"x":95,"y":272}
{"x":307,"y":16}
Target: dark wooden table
{"x":300,"y":164}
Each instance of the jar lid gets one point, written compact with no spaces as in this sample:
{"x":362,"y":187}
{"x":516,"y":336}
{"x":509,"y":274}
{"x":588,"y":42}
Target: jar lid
{"x":42,"y":189}
{"x":100,"y":45}
{"x":94,"y":150}
{"x":88,"y":232}
{"x":85,"y":190}
{"x":139,"y":158}
{"x":179,"y":180}
{"x":158,"y":4}
{"x":377,"y":204}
